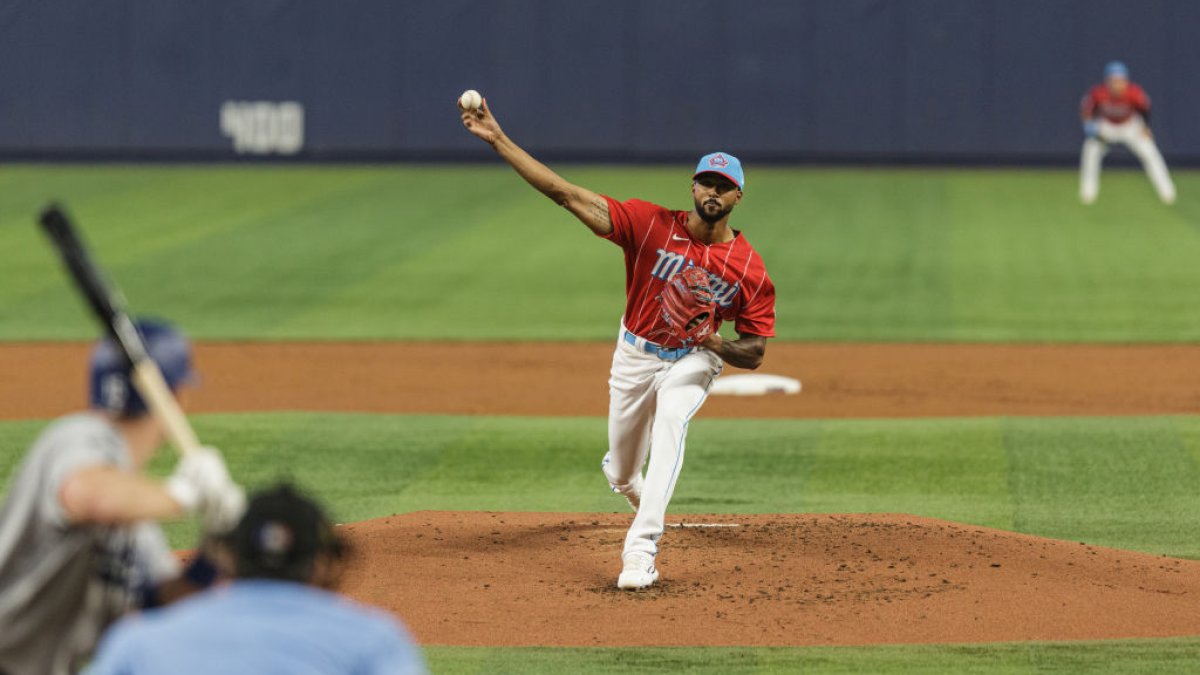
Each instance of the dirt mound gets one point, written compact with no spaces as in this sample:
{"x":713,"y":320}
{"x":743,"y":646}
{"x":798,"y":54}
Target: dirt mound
{"x":840,"y":380}
{"x":466,"y":578}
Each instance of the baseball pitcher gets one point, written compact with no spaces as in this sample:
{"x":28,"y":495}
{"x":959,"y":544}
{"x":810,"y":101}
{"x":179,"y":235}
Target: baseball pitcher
{"x":1118,"y":111}
{"x":78,"y":543}
{"x":686,"y":272}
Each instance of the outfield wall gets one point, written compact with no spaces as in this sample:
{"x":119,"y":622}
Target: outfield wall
{"x":792,"y":80}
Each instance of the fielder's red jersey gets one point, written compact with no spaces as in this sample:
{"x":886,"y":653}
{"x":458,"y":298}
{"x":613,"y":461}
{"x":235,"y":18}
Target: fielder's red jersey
{"x":657,"y":245}
{"x":1099,"y":101}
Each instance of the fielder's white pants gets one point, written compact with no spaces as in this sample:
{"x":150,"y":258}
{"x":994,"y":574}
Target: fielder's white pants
{"x":1133,"y":134}
{"x":651,"y":402}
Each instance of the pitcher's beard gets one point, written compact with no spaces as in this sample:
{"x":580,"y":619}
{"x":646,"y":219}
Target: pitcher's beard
{"x":709,"y":216}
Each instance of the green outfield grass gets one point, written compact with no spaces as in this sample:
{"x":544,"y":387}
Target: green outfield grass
{"x":1131,"y":657}
{"x":469,"y":252}
{"x":1121,"y":482}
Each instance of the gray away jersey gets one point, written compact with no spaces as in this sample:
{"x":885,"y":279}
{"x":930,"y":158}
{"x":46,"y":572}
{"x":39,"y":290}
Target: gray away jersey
{"x":61,"y":585}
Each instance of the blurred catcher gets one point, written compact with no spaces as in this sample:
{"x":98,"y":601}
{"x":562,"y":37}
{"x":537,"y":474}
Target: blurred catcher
{"x":78,"y":543}
{"x":1118,"y":111}
{"x":277,"y":614}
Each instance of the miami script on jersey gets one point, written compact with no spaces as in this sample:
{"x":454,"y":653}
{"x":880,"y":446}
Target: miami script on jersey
{"x":657,"y":245}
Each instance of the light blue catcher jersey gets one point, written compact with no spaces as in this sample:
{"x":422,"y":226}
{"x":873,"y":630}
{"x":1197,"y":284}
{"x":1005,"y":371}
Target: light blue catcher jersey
{"x":260,"y":627}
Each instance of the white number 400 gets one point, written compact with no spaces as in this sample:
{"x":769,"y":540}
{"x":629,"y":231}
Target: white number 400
{"x":264,"y":127}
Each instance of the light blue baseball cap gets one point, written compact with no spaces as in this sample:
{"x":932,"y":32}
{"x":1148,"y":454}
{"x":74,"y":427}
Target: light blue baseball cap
{"x":1116,"y":69}
{"x":723,"y":164}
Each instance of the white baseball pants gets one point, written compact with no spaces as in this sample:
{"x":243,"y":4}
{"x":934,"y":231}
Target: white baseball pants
{"x":651,"y":402}
{"x":1134,"y":135}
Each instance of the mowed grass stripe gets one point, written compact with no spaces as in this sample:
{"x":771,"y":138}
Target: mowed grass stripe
{"x":512,"y":259}
{"x":857,"y":251}
{"x":954,"y":468}
{"x":469,"y":252}
{"x":1127,"y":657}
{"x":1074,"y":477}
{"x":1049,"y":258}
{"x":1124,"y":482}
{"x":175,"y":238}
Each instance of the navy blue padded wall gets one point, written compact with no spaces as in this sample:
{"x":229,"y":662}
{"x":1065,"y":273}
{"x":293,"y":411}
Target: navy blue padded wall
{"x":918,"y":80}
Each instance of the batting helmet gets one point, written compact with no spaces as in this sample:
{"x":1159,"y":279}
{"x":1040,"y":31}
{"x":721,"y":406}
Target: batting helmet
{"x":110,"y":387}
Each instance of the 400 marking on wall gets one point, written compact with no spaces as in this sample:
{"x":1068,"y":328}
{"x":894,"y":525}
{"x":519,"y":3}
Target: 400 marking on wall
{"x":264,"y":127}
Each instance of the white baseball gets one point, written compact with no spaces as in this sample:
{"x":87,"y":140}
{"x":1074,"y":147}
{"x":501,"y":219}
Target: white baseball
{"x":470,"y":100}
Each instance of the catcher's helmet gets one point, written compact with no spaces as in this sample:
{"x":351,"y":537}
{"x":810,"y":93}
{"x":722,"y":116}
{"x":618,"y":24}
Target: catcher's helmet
{"x":281,"y":535}
{"x":109,"y":385}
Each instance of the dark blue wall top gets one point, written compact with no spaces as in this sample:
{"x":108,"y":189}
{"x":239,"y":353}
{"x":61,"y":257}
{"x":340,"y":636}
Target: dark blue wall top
{"x":887,"y":80}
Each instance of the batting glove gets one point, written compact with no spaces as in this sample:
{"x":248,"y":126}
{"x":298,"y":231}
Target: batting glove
{"x":201,"y":483}
{"x":223,"y":509}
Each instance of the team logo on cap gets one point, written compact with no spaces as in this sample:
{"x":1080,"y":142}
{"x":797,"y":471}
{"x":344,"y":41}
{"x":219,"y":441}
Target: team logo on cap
{"x":114,"y":391}
{"x":718,"y":161}
{"x":275,"y":538}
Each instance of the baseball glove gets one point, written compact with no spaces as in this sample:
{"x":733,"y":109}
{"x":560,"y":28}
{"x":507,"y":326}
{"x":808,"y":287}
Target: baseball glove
{"x":687,"y":306}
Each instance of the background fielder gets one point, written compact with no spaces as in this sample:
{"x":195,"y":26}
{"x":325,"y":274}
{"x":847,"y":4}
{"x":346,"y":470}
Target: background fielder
{"x":1118,"y":111}
{"x":657,"y":383}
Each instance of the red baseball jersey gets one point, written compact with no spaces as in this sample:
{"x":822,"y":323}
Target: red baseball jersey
{"x":657,"y":245}
{"x":1099,"y":101}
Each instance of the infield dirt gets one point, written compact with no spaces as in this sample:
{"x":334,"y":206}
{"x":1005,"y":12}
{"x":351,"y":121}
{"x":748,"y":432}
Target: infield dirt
{"x":840,"y":380}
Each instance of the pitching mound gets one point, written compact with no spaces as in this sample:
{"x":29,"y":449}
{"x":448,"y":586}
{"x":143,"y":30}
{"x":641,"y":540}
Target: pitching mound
{"x":465,"y":578}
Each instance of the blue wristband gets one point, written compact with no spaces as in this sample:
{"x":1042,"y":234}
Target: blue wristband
{"x":201,"y":572}
{"x":148,"y":597}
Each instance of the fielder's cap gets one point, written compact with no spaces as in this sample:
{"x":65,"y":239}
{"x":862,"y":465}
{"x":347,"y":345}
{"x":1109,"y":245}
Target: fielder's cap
{"x":1116,"y":69}
{"x":281,"y":534}
{"x":724,"y":164}
{"x":110,"y":385}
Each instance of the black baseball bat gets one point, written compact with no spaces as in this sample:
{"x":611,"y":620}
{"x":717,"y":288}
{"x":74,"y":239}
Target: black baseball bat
{"x":108,"y":306}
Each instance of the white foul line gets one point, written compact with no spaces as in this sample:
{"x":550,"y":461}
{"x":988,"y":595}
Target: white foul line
{"x":703,"y":525}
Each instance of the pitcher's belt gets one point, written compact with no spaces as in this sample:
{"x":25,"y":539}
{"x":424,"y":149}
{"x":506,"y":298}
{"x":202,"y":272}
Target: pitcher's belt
{"x":664,"y":353}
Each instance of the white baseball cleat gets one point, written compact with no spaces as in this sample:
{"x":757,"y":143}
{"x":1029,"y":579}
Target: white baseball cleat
{"x":639,"y":572}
